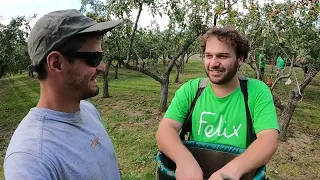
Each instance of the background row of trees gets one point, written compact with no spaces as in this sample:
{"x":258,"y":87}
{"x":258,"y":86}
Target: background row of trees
{"x":289,"y":29}
{"x":13,"y":46}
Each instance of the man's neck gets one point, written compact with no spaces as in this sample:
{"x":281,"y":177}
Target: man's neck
{"x":225,"y":89}
{"x":57,"y":99}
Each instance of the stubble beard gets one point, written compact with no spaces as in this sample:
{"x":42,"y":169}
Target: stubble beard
{"x":80,"y":85}
{"x":226,"y":77}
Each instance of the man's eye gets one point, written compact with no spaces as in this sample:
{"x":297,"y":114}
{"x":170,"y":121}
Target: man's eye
{"x":208,"y":56}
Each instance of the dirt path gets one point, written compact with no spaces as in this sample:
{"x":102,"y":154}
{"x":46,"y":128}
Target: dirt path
{"x":298,"y":158}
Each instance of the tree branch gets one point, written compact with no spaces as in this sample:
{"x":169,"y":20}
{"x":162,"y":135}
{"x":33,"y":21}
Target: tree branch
{"x":134,"y":31}
{"x":176,"y":63}
{"x":143,"y":70}
{"x":306,"y":80}
{"x":182,"y":50}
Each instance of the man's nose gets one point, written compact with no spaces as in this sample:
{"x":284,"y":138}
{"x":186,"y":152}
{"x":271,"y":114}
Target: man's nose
{"x":101,"y":67}
{"x":214,"y":61}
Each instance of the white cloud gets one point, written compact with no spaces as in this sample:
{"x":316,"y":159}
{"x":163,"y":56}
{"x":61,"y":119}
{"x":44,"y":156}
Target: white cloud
{"x":13,"y":8}
{"x":10,"y":3}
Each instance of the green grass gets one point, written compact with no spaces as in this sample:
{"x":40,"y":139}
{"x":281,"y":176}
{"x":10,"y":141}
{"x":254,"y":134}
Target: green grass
{"x":17,"y":95}
{"x":131,"y":118}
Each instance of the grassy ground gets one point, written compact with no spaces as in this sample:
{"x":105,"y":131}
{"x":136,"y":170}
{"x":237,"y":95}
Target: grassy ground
{"x":131,"y":117}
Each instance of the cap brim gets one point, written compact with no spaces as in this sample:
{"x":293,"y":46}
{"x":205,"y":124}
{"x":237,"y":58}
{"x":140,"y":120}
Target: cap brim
{"x":102,"y":27}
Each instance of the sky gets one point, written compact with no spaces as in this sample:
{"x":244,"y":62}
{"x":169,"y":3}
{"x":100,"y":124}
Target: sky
{"x":13,"y":8}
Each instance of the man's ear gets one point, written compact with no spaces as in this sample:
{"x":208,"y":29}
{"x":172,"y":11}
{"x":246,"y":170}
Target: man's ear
{"x":240,"y":60}
{"x":54,"y":62}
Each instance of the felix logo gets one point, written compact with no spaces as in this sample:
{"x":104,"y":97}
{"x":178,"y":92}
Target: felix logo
{"x":211,"y":131}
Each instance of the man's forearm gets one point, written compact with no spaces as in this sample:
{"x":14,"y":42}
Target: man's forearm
{"x":170,"y":144}
{"x":257,"y":155}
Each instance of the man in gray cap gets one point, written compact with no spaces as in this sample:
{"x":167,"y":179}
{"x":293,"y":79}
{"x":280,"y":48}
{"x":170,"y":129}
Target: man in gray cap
{"x":63,"y":136}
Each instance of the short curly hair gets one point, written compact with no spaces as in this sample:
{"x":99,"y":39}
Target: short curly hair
{"x":229,"y":35}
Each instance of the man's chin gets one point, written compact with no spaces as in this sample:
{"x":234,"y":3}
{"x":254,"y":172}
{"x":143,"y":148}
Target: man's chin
{"x":95,"y":92}
{"x":91,"y":94}
{"x":216,"y":80}
{"x":219,"y":81}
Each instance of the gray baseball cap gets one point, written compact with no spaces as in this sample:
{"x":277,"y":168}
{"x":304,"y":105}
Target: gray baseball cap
{"x":54,"y":29}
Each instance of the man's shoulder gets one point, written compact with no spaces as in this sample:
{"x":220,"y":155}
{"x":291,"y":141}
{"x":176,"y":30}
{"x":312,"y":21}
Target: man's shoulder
{"x":90,"y":109}
{"x":192,"y":83}
{"x":87,"y":104}
{"x":258,"y":89}
{"x":256,"y":83}
{"x":27,"y":136}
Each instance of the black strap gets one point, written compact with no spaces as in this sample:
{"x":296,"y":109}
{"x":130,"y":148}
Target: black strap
{"x":244,"y":89}
{"x":187,"y":125}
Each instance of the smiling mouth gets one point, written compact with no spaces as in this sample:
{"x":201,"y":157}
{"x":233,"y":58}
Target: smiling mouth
{"x":216,"y":70}
{"x":94,"y":79}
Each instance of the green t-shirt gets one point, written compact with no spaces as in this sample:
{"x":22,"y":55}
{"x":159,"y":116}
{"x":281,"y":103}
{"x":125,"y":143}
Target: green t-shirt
{"x":262,"y":64}
{"x":280,"y":62}
{"x":223,"y":120}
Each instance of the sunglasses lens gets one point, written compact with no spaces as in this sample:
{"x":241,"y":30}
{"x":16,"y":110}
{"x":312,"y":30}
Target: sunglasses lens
{"x":97,"y":60}
{"x":92,"y":58}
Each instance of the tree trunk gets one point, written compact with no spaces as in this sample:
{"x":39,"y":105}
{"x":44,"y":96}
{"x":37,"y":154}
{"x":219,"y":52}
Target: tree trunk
{"x":164,"y":93}
{"x":106,"y":80}
{"x":116,"y":71}
{"x":291,"y":104}
{"x":181,"y":69}
{"x":273,"y":65}
{"x":105,"y":86}
{"x":188,"y":57}
{"x":215,"y":20}
{"x":188,"y":53}
{"x":285,"y":117}
{"x":177,"y":75}
{"x":187,"y":60}
{"x":1,"y":72}
{"x":255,"y":68}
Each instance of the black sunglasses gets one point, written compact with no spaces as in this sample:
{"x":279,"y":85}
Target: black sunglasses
{"x":92,"y":58}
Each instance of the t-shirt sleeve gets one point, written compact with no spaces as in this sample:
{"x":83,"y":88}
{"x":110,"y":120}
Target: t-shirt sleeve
{"x":265,"y":115}
{"x":181,"y":101}
{"x":91,"y":109}
{"x":25,"y":166}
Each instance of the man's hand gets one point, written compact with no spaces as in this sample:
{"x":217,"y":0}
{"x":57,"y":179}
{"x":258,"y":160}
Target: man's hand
{"x":223,"y":174}
{"x":188,"y":169}
{"x":171,"y":145}
{"x":257,"y":155}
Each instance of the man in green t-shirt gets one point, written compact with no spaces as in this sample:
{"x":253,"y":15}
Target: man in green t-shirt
{"x":280,"y":66}
{"x":219,"y":115}
{"x":262,"y":65}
